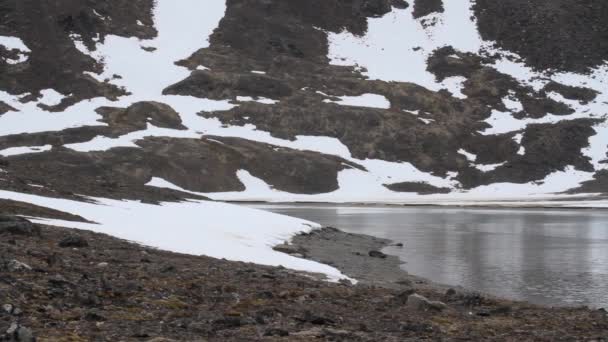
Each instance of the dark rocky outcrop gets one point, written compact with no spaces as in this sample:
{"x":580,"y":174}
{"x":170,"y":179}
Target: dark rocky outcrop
{"x":425,"y":7}
{"x":584,"y":95}
{"x":138,"y":115}
{"x":203,"y":165}
{"x":4,"y":108}
{"x":9,"y":207}
{"x":46,"y":28}
{"x":599,"y":184}
{"x":490,"y":87}
{"x":548,"y":34}
{"x":417,"y":187}
{"x":548,"y":148}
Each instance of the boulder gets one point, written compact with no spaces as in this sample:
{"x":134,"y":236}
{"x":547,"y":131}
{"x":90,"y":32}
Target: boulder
{"x":14,"y":225}
{"x":421,"y":303}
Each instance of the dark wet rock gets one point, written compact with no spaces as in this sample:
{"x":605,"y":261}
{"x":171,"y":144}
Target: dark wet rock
{"x":73,"y":241}
{"x":548,"y":34}
{"x":17,"y":226}
{"x":425,"y":7}
{"x":377,"y":254}
{"x":315,"y":319}
{"x":417,"y":187}
{"x":94,"y":315}
{"x":421,"y":303}
{"x":276,"y":332}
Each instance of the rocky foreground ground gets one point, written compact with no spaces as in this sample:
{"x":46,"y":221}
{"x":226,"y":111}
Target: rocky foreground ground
{"x":60,"y":284}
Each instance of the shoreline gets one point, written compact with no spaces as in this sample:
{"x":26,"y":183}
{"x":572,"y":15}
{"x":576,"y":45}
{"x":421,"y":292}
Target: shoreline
{"x":361,"y":257}
{"x":62,"y":284}
{"x":500,"y":205}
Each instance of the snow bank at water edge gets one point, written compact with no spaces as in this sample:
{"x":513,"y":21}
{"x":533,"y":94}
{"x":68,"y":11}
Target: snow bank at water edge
{"x":213,"y":229}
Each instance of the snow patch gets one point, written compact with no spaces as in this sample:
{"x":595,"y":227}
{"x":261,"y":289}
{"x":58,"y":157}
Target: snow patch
{"x":365,"y":100}
{"x":14,"y":43}
{"x":258,"y":99}
{"x":13,"y":151}
{"x":214,"y":229}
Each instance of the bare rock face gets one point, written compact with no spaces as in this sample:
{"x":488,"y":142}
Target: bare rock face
{"x":548,"y":34}
{"x":417,"y":187}
{"x":599,"y":184}
{"x":220,"y":86}
{"x":139,"y":114}
{"x":425,"y":7}
{"x":17,"y":226}
{"x":46,"y":28}
{"x":4,"y":108}
{"x":202,"y":165}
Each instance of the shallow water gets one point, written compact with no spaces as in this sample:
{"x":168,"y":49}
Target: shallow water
{"x":549,"y":257}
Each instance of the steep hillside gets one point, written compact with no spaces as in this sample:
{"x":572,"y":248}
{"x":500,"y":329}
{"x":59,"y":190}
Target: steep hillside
{"x":285,"y":100}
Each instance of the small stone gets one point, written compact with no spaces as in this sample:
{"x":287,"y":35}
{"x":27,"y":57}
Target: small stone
{"x":103,"y":265}
{"x":8,"y":308}
{"x":12,"y":329}
{"x":25,"y":335}
{"x":73,"y":241}
{"x":276,"y":332}
{"x":377,"y":254}
{"x":94,"y":315}
{"x":421,"y":303}
{"x":14,"y":266}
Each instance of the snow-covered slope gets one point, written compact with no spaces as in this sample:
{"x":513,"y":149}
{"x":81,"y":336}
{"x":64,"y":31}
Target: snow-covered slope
{"x":327,"y":103}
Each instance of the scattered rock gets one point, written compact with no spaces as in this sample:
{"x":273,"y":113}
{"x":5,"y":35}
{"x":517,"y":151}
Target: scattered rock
{"x":276,"y":332}
{"x":17,"y":226}
{"x":309,"y":317}
{"x":421,"y":303}
{"x":74,"y":241}
{"x":18,"y":333}
{"x":8,"y":308}
{"x":15,"y":266}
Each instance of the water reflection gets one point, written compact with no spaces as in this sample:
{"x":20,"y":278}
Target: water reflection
{"x":551,"y":257}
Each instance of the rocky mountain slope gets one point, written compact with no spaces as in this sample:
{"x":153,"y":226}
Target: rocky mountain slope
{"x":465,"y":100}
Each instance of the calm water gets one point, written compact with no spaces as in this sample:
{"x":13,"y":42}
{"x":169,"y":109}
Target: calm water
{"x":550,"y":257}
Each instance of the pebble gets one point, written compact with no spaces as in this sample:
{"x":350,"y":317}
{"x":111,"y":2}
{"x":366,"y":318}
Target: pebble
{"x":15,"y":265}
{"x":8,"y":308}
